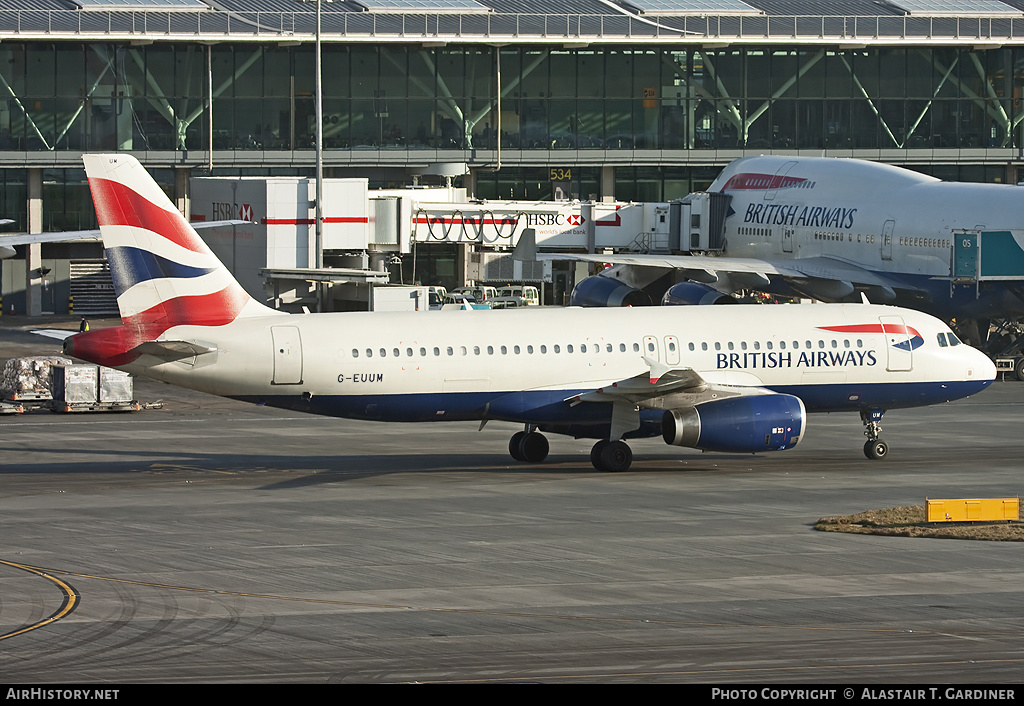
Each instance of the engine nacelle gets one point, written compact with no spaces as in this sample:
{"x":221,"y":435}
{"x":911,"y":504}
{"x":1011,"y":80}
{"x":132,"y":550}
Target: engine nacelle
{"x":745,"y":424}
{"x":606,"y":291}
{"x":694,"y":293}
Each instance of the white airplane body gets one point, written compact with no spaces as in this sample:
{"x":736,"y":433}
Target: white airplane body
{"x":828,"y":228}
{"x":735,"y":379}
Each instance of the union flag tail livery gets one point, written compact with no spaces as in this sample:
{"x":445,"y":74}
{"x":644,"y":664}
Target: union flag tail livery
{"x":739,"y":379}
{"x":163,"y":271}
{"x":164,"y":274}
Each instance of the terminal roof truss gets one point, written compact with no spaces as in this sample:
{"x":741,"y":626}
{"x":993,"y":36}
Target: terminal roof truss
{"x":496,"y":22}
{"x":166,"y":5}
{"x":668,"y":8}
{"x":952,"y":8}
{"x":462,"y":7}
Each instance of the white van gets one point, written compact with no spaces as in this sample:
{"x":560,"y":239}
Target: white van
{"x":528,"y":293}
{"x":479,"y":293}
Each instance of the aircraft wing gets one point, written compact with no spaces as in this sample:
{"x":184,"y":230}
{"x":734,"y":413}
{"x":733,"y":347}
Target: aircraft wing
{"x":7,"y":242}
{"x":752,"y":272}
{"x":661,"y":380}
{"x":625,"y":395}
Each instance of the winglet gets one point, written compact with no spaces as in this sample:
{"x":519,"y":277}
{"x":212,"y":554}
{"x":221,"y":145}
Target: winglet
{"x":658,"y":369}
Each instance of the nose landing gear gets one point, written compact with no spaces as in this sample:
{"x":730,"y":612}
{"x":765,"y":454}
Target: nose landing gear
{"x":874,"y":447}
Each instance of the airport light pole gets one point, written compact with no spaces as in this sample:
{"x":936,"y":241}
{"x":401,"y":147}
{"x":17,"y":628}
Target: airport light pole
{"x":318,"y":109}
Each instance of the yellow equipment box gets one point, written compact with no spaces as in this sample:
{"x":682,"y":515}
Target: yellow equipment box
{"x":973,"y":510}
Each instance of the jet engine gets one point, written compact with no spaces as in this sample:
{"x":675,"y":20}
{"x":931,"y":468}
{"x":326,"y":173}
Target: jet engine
{"x":746,"y":424}
{"x":694,"y":293}
{"x":605,"y":291}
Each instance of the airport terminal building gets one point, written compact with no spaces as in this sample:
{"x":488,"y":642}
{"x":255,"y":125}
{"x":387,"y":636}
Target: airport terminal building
{"x":642,"y":100}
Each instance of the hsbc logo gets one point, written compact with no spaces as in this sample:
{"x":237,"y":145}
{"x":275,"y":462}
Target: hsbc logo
{"x":554,"y":219}
{"x":245,"y":212}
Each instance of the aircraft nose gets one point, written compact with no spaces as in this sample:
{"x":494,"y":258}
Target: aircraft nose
{"x":980,"y":366}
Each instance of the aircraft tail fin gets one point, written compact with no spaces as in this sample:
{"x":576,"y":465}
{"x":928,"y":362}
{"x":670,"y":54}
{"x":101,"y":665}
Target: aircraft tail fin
{"x":163,"y":272}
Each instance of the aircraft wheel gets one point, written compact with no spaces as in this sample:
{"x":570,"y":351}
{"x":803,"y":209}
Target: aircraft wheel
{"x":533,"y":447}
{"x":615,"y":457}
{"x":515,"y":445}
{"x":595,"y":454}
{"x":876,"y":449}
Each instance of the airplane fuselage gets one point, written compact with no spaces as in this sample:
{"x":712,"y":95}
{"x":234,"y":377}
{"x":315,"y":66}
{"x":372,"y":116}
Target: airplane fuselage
{"x":738,"y":380}
{"x":523,"y":365}
{"x":874,"y":216}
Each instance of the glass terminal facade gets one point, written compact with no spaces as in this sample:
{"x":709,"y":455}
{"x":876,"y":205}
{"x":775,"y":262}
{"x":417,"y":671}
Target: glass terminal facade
{"x":643,"y":121}
{"x":396,"y":104}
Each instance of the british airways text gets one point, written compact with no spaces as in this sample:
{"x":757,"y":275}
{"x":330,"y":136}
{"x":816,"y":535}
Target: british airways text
{"x":810,"y":216}
{"x":787,"y":359}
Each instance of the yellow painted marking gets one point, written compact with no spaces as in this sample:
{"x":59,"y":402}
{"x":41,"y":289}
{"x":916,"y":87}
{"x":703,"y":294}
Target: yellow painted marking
{"x":71,"y":599}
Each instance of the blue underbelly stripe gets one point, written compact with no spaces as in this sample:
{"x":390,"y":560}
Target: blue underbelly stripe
{"x":548,"y":408}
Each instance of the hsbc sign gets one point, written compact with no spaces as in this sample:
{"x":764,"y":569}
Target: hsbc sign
{"x":501,"y":223}
{"x":553,"y":219}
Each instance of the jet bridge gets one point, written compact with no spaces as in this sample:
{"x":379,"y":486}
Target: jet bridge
{"x":984,"y":255}
{"x":693,"y":224}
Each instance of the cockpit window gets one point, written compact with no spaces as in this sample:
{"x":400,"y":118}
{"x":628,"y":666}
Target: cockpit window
{"x":953,"y":340}
{"x":942,"y":339}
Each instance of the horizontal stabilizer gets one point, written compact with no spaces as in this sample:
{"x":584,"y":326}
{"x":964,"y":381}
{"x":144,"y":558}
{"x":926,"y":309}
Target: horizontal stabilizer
{"x":174,"y":350}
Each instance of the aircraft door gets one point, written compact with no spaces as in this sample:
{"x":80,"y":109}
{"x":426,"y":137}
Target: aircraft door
{"x":787,"y":240}
{"x":287,"y":355}
{"x":899,"y":343}
{"x":887,"y":230}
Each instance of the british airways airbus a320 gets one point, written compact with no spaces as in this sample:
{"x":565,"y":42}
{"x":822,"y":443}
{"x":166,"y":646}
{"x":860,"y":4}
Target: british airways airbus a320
{"x":831,"y":229}
{"x":732,"y":379}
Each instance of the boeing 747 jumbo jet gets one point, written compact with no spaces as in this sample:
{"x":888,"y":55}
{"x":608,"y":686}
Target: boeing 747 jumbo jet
{"x":831,"y":229}
{"x":735,"y":379}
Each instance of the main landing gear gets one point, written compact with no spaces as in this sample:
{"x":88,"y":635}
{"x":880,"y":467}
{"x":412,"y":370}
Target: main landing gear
{"x":530,"y":446}
{"x":613,"y":456}
{"x":874,"y":448}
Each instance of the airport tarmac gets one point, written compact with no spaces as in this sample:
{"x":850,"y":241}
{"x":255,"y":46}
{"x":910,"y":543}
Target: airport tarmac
{"x":214,"y":541}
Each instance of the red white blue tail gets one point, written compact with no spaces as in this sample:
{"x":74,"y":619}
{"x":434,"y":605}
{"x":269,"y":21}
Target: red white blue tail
{"x":163,"y":272}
